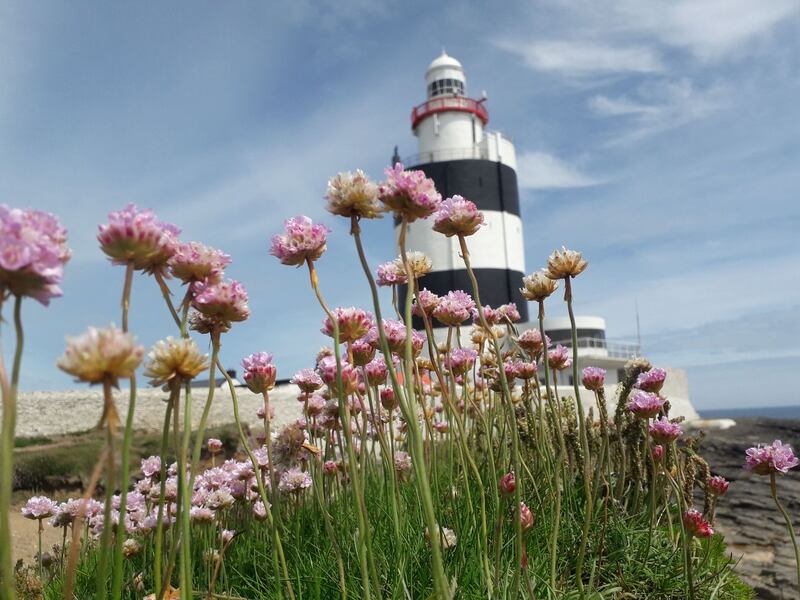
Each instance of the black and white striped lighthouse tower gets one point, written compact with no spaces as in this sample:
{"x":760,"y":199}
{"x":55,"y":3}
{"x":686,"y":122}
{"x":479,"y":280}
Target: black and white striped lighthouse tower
{"x":463,"y":157}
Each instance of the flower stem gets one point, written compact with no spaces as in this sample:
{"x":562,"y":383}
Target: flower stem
{"x":510,"y":415}
{"x":7,"y":459}
{"x":116,"y":584}
{"x":774,"y":489}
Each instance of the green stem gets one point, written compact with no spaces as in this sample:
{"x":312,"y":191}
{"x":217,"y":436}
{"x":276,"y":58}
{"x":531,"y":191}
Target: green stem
{"x":774,"y":489}
{"x":159,"y":542}
{"x":105,"y":538}
{"x":7,"y":461}
{"x":186,"y":498}
{"x":509,"y":410}
{"x":352,"y":462}
{"x":116,"y":584}
{"x":588,"y":509}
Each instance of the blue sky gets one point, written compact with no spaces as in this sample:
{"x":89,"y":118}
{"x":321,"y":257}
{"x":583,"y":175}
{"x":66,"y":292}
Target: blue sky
{"x":660,"y":138}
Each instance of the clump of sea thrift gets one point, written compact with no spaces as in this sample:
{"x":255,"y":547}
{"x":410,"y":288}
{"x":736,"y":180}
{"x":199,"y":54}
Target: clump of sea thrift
{"x":457,"y":216}
{"x":137,"y":237}
{"x":101,"y":355}
{"x":410,"y":194}
{"x":301,"y":241}
{"x":175,"y":361}
{"x":33,"y":252}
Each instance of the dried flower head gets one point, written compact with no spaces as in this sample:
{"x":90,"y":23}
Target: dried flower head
{"x":194,"y":261}
{"x":410,"y":194}
{"x":137,"y":237}
{"x":353,"y":195}
{"x":33,"y":252}
{"x":457,"y":216}
{"x":776,"y":458}
{"x":447,"y":537}
{"x":206,"y":324}
{"x":101,"y":355}
{"x":175,"y":361}
{"x":530,"y":340}
{"x":538,"y":286}
{"x":301,"y":241}
{"x":419,"y":264}
{"x":565,"y":263}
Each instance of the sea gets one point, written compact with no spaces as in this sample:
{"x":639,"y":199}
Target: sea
{"x":770,"y":412}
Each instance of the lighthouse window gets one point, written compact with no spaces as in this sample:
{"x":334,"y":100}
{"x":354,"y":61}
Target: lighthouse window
{"x":446,"y":86}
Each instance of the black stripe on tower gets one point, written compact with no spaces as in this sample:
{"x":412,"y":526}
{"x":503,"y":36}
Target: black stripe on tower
{"x":490,"y":185}
{"x":496,"y":287}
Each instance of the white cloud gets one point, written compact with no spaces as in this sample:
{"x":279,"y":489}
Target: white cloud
{"x":540,"y":170}
{"x":660,"y":106}
{"x":709,"y":29}
{"x":584,"y":58}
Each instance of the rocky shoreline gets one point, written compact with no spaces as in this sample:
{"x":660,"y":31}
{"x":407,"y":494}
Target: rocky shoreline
{"x":753,"y":528}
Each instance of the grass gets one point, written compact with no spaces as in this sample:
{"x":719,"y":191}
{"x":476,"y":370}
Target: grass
{"x":617,"y":570}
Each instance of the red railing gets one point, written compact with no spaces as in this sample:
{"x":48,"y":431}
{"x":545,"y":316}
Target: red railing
{"x":449,"y":103}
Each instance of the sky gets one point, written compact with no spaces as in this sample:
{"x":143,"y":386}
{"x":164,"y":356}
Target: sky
{"x":660,"y":138}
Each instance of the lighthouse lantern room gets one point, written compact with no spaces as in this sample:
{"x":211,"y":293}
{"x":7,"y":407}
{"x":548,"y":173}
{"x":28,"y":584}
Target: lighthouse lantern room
{"x":462,"y":157}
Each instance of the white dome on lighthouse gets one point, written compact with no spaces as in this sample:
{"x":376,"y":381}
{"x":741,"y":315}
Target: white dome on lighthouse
{"x":445,"y":76}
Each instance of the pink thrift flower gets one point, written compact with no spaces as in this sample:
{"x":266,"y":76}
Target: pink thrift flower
{"x":524,"y":369}
{"x":301,"y":241}
{"x":460,"y":360}
{"x":137,"y":237}
{"x":151,"y":466}
{"x":377,"y":370}
{"x":663,"y":431}
{"x":491,"y":316}
{"x":353,"y":195}
{"x":454,"y":308}
{"x":766,"y":460}
{"x":457,"y":216}
{"x":363,"y":352}
{"x":39,"y":507}
{"x":224,"y":301}
{"x":33,"y":252}
{"x":402,"y":462}
{"x":718,"y":485}
{"x":197,"y":262}
{"x":410,"y":194}
{"x":353,"y":323}
{"x":651,"y":381}
{"x":526,"y":517}
{"x":327,"y":370}
{"x":307,"y":380}
{"x":214,"y":445}
{"x":315,"y":405}
{"x":509,"y":311}
{"x":645,"y":405}
{"x":696,"y":525}
{"x":391,"y":273}
{"x":530,"y":340}
{"x":294,"y":480}
{"x":388,"y":399}
{"x":658,"y":453}
{"x":559,"y":358}
{"x":428,"y":301}
{"x":508,"y":484}
{"x":593,"y":378}
{"x":442,"y":426}
{"x":259,"y":372}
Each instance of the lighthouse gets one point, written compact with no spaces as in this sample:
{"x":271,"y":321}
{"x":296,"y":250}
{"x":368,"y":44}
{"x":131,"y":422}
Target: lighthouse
{"x":463,"y":157}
